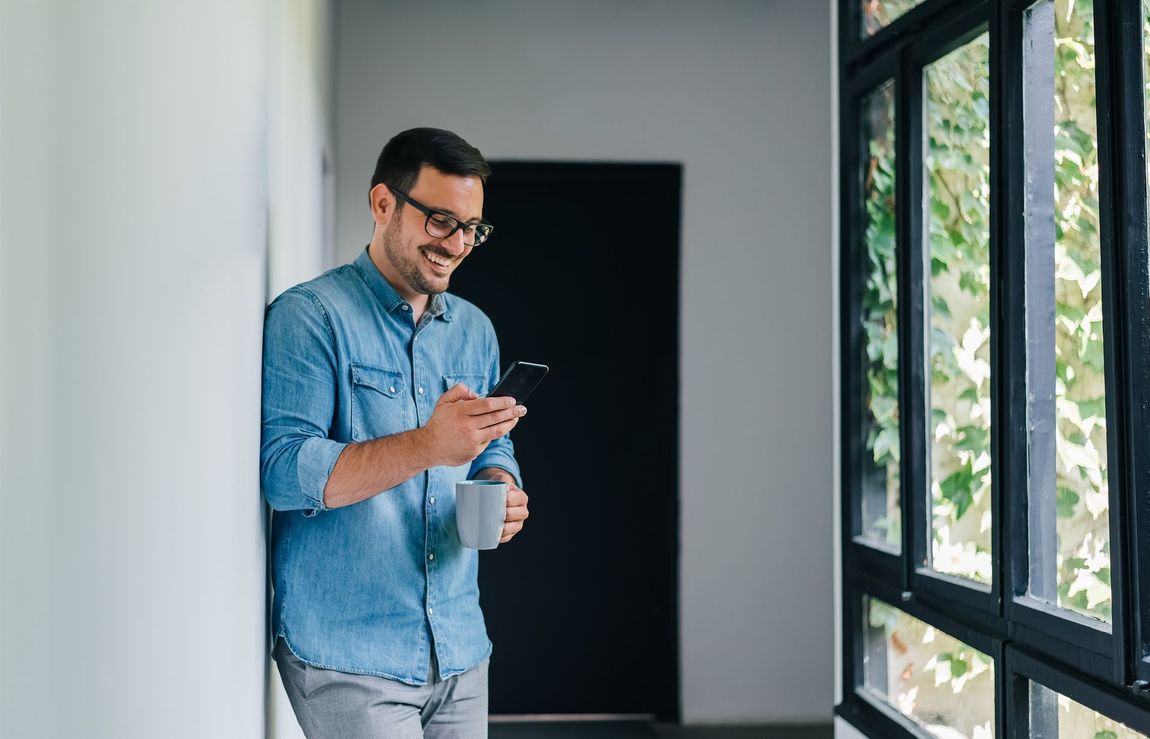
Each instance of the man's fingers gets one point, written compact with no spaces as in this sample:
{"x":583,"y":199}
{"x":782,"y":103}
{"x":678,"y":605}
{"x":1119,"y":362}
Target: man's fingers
{"x":491,"y":419}
{"x":483,"y":406}
{"x":510,"y":530}
{"x":491,"y":433}
{"x":516,"y":513}
{"x":519,"y":513}
{"x":457,"y":392}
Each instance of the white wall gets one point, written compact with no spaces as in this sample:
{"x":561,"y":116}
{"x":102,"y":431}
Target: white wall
{"x":134,"y":166}
{"x":736,"y":90}
{"x":301,"y":189}
{"x":301,"y":227}
{"x":843,"y":730}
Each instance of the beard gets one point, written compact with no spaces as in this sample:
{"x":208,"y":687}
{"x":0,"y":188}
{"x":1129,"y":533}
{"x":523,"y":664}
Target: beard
{"x":407,"y":260}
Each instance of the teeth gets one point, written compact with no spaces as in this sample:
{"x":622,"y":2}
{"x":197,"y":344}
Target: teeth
{"x":437,"y":260}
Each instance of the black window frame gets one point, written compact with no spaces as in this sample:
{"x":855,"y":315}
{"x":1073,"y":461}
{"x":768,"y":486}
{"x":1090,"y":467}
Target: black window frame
{"x":1107,"y":670}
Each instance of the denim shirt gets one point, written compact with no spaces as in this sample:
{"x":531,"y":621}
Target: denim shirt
{"x":370,"y":588}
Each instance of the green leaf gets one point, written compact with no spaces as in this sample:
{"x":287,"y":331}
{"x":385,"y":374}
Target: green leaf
{"x":938,"y":304}
{"x":886,"y":446}
{"x":971,"y":282}
{"x":1092,"y":356}
{"x":1092,"y":408}
{"x":958,"y":488}
{"x":1065,"y":501}
{"x":1072,"y":312}
{"x":1070,"y":564}
{"x":1079,"y":601}
{"x":973,"y":438}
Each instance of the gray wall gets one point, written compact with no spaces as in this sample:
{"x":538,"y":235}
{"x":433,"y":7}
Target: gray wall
{"x":737,"y":91}
{"x":135,"y":149}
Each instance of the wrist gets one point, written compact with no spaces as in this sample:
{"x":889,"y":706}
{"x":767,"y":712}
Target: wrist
{"x":424,"y":449}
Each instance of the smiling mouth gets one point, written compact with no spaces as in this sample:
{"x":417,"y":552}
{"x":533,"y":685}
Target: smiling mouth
{"x":442,"y":264}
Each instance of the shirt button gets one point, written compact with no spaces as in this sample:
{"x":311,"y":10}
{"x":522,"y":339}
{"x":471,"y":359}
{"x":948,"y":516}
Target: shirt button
{"x":430,"y":611}
{"x":391,"y":389}
{"x":431,"y":556}
{"x":406,"y":307}
{"x":432,"y":500}
{"x":421,"y":391}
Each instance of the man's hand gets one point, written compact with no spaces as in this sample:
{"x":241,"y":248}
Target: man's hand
{"x":463,"y":424}
{"x":516,"y":502}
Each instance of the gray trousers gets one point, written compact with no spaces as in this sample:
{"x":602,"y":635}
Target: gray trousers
{"x":340,"y":705}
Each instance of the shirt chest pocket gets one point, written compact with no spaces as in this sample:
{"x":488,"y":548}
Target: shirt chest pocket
{"x":378,"y":402}
{"x":475,"y":381}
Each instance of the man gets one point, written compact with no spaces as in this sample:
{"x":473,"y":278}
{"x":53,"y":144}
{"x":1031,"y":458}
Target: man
{"x":371,"y":414}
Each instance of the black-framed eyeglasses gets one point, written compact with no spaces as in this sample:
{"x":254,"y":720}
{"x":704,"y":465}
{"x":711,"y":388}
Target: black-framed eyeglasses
{"x":443,"y":226}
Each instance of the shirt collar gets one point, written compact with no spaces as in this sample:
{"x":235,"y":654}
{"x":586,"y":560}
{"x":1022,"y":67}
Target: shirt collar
{"x":437,"y":307}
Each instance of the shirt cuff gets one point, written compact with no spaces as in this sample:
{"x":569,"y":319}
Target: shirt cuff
{"x":497,"y":460}
{"x":314,"y":464}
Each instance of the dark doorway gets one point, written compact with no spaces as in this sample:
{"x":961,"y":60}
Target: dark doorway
{"x":582,"y":274}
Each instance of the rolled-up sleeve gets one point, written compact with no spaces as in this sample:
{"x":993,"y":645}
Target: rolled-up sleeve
{"x":299,"y":396}
{"x":501,"y":452}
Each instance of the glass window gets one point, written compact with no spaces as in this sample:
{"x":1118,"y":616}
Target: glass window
{"x":942,"y":684}
{"x":878,"y":14}
{"x":881,"y":518}
{"x":1069,"y":495}
{"x":1056,"y":716}
{"x":957,"y":184}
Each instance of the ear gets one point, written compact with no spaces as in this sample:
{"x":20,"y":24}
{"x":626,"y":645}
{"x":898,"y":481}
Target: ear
{"x":382,"y":204}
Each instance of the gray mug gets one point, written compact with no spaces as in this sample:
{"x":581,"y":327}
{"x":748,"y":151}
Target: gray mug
{"x":480,"y":507}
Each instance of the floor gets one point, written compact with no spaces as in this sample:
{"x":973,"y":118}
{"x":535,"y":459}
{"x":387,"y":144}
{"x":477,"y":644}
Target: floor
{"x":647,"y":730}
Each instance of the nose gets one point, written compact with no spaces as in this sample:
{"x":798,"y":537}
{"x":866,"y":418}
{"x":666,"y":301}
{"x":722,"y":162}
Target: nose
{"x":456,"y":242}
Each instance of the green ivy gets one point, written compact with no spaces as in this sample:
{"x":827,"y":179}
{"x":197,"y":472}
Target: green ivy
{"x":956,"y":179}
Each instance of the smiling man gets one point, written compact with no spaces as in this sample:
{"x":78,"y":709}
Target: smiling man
{"x":371,"y":413}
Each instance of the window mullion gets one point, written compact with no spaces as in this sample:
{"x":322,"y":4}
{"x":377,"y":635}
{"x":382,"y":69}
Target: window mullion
{"x":913,"y":336}
{"x":1112,"y":134}
{"x":1122,"y":127}
{"x":1008,"y":203}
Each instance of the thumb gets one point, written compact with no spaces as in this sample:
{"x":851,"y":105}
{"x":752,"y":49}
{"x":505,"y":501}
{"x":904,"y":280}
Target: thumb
{"x":458,"y":392}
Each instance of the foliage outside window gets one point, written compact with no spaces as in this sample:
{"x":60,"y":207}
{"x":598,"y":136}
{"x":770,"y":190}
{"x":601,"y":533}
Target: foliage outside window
{"x":1074,"y":720}
{"x":946,"y":686}
{"x":882,"y":522}
{"x":957,"y":167}
{"x":1052,"y":482}
{"x":878,"y":14}
{"x":1082,"y":493}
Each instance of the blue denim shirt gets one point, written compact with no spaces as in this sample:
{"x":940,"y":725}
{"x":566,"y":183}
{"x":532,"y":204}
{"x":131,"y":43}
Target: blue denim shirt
{"x":370,"y":588}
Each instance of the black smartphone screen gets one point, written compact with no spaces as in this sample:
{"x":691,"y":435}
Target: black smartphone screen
{"x":519,"y":380}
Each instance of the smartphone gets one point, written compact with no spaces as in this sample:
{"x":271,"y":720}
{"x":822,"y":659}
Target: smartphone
{"x":519,"y":380}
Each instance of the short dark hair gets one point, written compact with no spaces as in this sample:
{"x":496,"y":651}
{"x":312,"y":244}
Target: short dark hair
{"x":401,"y":159}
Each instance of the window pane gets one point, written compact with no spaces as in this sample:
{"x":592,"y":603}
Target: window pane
{"x":944,"y":685}
{"x":1069,"y":496}
{"x":1054,"y":715}
{"x":881,"y":518}
{"x":878,"y":14}
{"x":957,"y":183}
